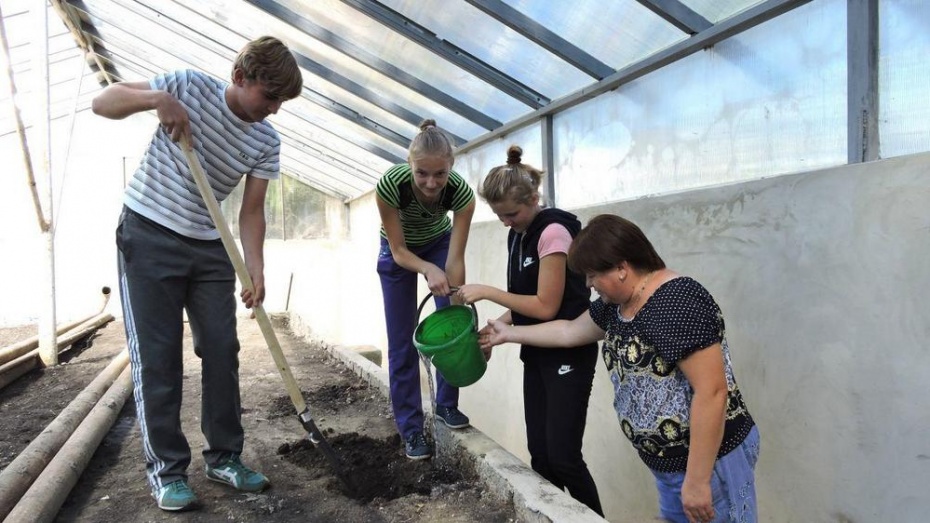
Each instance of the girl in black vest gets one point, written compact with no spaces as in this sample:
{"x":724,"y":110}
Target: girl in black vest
{"x":556,"y":382}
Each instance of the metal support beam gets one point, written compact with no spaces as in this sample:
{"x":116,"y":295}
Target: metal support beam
{"x":82,"y":42}
{"x":732,"y":26}
{"x":862,"y":79}
{"x":344,"y":165}
{"x":544,"y":37}
{"x":365,"y":93}
{"x":448,"y":51}
{"x":678,"y":14}
{"x":548,"y":158}
{"x":365,"y":58}
{"x":357,"y":118}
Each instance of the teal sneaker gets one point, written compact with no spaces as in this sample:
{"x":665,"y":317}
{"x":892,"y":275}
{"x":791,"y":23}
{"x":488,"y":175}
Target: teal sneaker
{"x":176,"y":495}
{"x":238,"y":476}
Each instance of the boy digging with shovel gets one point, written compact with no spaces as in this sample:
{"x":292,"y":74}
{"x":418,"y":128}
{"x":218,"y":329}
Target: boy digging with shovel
{"x":171,"y":258}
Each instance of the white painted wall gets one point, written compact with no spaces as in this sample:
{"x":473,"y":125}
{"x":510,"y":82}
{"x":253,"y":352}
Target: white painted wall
{"x":88,"y":195}
{"x":823,"y":282}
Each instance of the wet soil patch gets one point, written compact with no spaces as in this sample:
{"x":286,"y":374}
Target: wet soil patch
{"x":376,"y":468}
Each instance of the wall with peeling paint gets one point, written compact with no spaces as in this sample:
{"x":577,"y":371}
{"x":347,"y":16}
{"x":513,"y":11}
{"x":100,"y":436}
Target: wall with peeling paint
{"x":823,"y":281}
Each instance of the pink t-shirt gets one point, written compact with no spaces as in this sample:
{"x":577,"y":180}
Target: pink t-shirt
{"x":555,"y":238}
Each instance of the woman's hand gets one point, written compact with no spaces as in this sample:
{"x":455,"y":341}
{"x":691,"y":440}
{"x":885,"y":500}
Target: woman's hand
{"x":473,"y":293}
{"x":697,"y":500}
{"x":483,"y":336}
{"x":704,"y":370}
{"x":436,"y":281}
{"x":495,"y":333}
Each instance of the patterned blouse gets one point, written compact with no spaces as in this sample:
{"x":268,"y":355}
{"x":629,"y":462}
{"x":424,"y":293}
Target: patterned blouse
{"x":652,"y":396}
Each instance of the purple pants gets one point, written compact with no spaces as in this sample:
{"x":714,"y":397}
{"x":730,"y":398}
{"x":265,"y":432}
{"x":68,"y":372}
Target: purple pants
{"x":399,"y":287}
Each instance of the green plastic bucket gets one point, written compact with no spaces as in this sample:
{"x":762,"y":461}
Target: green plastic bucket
{"x":449,"y":339}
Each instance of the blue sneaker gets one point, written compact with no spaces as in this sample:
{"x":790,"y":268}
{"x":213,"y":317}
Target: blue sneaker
{"x":176,"y":495}
{"x":238,"y":476}
{"x":416,"y":447}
{"x":452,"y":417}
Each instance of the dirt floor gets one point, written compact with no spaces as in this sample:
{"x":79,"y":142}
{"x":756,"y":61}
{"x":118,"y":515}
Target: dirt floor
{"x":356,"y":419}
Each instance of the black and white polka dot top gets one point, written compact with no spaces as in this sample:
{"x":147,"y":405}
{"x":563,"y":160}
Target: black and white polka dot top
{"x":652,"y":396}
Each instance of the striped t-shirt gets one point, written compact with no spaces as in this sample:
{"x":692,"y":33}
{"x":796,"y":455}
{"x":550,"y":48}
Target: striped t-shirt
{"x":228,"y":148}
{"x":422,"y":224}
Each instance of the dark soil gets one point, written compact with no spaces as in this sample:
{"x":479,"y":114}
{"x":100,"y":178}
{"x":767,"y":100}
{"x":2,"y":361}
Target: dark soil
{"x":375,"y":468}
{"x":355,"y":418}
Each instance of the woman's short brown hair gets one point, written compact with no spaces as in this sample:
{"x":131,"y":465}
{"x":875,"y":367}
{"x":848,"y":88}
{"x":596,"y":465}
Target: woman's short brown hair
{"x":608,"y":241}
{"x":267,"y":60}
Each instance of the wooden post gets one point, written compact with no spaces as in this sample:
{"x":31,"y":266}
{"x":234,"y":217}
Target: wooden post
{"x":43,"y":500}
{"x":16,"y":478}
{"x":48,"y":345}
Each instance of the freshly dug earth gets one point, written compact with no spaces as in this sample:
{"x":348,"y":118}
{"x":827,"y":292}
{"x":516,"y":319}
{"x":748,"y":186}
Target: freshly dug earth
{"x":356,"y":419}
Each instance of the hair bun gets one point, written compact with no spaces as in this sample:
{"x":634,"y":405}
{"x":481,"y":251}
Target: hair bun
{"x":514,"y":155}
{"x":426,"y":124}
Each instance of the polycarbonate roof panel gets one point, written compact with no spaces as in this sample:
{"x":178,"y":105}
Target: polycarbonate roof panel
{"x":717,"y":10}
{"x":385,"y":86}
{"x":495,"y":44}
{"x":243,"y":22}
{"x":179,"y":47}
{"x":409,"y":56}
{"x":372,"y":68}
{"x":65,"y":68}
{"x":255,"y":21}
{"x":618,"y":33}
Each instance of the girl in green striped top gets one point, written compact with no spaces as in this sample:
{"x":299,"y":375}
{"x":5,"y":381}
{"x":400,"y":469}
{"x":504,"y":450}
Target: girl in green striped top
{"x":418,"y":237}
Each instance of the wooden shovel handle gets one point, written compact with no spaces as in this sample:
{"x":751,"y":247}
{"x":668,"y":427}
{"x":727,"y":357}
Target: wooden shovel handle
{"x":206,"y":191}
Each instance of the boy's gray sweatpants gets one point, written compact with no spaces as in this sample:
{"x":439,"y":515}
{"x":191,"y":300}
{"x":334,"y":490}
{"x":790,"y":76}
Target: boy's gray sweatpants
{"x":162,"y":273}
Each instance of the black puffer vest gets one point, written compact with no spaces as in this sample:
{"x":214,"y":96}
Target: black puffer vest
{"x":523,"y":278}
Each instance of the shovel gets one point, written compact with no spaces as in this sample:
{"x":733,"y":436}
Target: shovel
{"x":303,"y":413}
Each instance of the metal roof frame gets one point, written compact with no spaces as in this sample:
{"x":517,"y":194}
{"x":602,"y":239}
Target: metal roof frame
{"x":345,"y":130}
{"x":547,"y":39}
{"x":721,"y":31}
{"x":364,"y":57}
{"x":678,"y":14}
{"x":448,"y":51}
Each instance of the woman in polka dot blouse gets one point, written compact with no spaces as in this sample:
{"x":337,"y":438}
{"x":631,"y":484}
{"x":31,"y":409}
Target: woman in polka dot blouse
{"x":666,"y":351}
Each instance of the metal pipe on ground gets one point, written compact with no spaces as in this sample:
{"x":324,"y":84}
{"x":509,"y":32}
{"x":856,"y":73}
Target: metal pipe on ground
{"x":11,"y":352}
{"x":44,"y":499}
{"x":11,"y":370}
{"x":16,"y":478}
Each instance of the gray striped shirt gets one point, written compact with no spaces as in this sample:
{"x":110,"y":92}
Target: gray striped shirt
{"x":228,"y":148}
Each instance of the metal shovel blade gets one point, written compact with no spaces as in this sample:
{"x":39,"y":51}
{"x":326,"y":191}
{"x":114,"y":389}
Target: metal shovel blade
{"x":316,"y":437}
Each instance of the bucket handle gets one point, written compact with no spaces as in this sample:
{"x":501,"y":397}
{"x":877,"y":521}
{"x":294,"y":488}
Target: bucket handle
{"x":474,"y":311}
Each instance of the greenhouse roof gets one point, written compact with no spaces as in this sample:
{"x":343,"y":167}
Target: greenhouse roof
{"x":374,"y":69}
